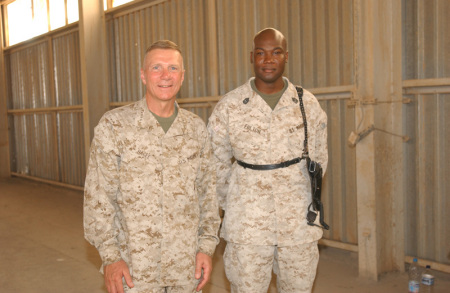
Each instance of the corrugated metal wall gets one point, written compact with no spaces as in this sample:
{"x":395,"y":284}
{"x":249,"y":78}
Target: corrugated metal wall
{"x":426,"y":39}
{"x":45,"y":102}
{"x":426,"y":69}
{"x":130,"y":33}
{"x":319,"y":34}
{"x":339,"y":190}
{"x":427,"y":169}
{"x":320,"y":42}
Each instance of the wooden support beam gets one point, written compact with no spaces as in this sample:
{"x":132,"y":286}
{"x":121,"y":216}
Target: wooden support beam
{"x":94,"y":66}
{"x":5,"y":167}
{"x":51,"y":182}
{"x":380,"y":208}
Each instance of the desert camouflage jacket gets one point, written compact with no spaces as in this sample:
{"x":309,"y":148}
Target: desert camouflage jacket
{"x":266,"y":207}
{"x":150,"y":196}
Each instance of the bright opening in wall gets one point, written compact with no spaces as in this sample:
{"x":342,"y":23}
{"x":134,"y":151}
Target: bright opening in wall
{"x":19,"y":21}
{"x":29,"y":18}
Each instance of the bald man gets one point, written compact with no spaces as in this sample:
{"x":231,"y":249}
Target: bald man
{"x":265,"y":191}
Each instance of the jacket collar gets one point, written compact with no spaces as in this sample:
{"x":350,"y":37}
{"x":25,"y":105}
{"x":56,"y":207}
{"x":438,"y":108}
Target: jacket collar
{"x":146,"y":120}
{"x":288,"y":99}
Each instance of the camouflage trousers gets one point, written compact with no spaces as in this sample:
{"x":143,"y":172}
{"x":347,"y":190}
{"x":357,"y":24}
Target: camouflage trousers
{"x":173,"y":289}
{"x":249,"y":267}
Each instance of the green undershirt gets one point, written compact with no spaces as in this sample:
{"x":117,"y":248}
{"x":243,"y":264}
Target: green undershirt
{"x":272,"y":99}
{"x":166,"y":122}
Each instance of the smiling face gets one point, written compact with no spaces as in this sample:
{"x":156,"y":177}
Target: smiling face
{"x":163,"y":74}
{"x":269,"y":57}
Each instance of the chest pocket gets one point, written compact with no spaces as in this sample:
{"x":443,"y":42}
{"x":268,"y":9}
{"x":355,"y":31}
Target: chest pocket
{"x":183,"y":152}
{"x":248,"y":140}
{"x":296,"y":137}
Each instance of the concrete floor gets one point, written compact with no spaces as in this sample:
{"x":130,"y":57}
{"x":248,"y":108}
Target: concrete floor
{"x":43,"y":250}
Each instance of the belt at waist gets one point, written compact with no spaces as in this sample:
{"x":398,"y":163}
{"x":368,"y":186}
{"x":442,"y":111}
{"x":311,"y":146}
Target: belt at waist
{"x":271,"y":166}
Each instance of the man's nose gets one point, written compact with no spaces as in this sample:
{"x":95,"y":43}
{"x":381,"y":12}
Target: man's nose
{"x":165,"y":74}
{"x":268,"y":58}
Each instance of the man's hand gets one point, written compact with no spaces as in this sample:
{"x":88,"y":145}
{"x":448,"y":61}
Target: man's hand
{"x":113,"y":277}
{"x":203,"y":261}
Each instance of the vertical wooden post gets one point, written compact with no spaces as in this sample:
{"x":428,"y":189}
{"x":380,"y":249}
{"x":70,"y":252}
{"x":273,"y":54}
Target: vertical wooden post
{"x":5,"y":168}
{"x":377,"y":27}
{"x":94,"y":66}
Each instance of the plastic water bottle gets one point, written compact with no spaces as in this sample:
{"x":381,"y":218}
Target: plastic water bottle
{"x":414,"y":277}
{"x":427,"y":281}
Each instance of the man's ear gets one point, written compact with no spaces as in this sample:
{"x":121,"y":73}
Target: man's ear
{"x":143,"y":76}
{"x":251,"y":57}
{"x":287,"y":56}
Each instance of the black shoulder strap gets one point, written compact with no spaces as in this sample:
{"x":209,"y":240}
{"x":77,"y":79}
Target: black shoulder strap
{"x":305,"y":123}
{"x":315,"y":174}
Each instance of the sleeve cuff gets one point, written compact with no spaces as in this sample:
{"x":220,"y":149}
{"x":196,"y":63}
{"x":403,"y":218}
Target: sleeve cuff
{"x":208,"y":245}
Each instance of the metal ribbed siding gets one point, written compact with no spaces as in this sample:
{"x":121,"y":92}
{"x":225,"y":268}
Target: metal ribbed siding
{"x":339,"y":185}
{"x":30,"y":77}
{"x":426,"y":55}
{"x":319,"y":34}
{"x":130,"y":34}
{"x":46,"y":141}
{"x":66,"y":60}
{"x":71,"y":148}
{"x":426,"y":39}
{"x":70,"y":136}
{"x":34,"y":150}
{"x":427,"y":168}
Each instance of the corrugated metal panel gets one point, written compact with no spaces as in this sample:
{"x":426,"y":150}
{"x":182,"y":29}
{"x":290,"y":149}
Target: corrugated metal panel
{"x":203,"y":110}
{"x":34,"y":152}
{"x":339,"y":185}
{"x":71,"y":154}
{"x":426,"y":40}
{"x":427,"y":169}
{"x":130,"y":34}
{"x":319,"y":34}
{"x":30,"y":77}
{"x":66,"y":60}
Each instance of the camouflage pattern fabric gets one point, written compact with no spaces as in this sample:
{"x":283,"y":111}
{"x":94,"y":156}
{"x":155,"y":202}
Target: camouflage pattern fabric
{"x":174,"y":289}
{"x":150,"y":196}
{"x":249,"y":267}
{"x":266,"y":207}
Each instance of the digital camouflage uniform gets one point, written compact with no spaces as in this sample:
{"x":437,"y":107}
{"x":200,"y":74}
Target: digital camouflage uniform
{"x":266,"y":207}
{"x":150,"y":196}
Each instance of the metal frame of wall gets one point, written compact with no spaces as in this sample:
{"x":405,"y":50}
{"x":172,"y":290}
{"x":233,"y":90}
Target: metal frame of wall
{"x":337,"y":51}
{"x":4,"y":132}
